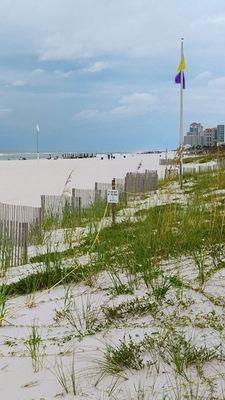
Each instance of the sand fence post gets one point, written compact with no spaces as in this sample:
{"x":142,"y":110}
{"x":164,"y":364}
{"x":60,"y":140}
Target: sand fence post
{"x":25,"y":241}
{"x":76,"y":203}
{"x":42,"y":208}
{"x":73,"y":200}
{"x":126,"y":190}
{"x":98,"y":193}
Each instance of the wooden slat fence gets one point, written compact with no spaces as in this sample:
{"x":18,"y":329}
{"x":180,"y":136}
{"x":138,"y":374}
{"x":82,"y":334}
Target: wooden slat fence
{"x":13,"y":243}
{"x":101,"y":188}
{"x":120,"y":184}
{"x":12,"y":212}
{"x":199,"y":168}
{"x":221,"y":162}
{"x":54,"y":205}
{"x":16,"y":222}
{"x":136,"y":182}
{"x":189,"y":170}
{"x":166,"y":161}
{"x":84,"y":198}
{"x":203,"y":168}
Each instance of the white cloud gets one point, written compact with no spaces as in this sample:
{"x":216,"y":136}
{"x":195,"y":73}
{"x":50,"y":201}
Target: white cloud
{"x":207,"y":98}
{"x":130,"y":106}
{"x":136,"y":99}
{"x":36,"y":77}
{"x":87,"y":114}
{"x":18,"y":83}
{"x":63,"y":75}
{"x":98,"y":66}
{"x":202,"y":77}
{"x":215,"y":20}
{"x":4,"y":112}
{"x":217,"y":83}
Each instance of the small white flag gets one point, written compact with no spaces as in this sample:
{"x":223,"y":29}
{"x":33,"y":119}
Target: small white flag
{"x":37,"y":128}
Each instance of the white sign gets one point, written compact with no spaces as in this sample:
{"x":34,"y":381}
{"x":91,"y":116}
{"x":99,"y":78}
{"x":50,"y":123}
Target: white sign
{"x":113,"y":196}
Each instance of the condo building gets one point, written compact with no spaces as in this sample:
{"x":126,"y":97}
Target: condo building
{"x":197,"y":136}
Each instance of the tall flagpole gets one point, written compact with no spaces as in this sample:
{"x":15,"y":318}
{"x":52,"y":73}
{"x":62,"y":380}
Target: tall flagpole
{"x":181,"y":115}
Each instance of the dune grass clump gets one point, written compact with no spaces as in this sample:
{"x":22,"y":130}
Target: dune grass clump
{"x":126,"y":355}
{"x":115,"y":359}
{"x":119,"y":287}
{"x":53,"y":274}
{"x":55,"y":256}
{"x":175,"y":350}
{"x":67,"y":303}
{"x":43,"y":279}
{"x":6,"y":249}
{"x":66,"y":376}
{"x":133,"y":308}
{"x":35,"y":347}
{"x":84,"y":319}
{"x":3,"y":303}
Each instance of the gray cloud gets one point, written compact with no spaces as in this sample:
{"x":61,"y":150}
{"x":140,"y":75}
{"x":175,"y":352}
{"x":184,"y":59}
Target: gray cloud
{"x":86,"y":28}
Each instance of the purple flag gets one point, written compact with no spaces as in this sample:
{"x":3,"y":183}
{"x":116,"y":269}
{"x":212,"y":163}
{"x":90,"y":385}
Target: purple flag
{"x":178,"y":79}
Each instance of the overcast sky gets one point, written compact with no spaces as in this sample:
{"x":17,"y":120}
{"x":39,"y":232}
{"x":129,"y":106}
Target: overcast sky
{"x":99,"y":74}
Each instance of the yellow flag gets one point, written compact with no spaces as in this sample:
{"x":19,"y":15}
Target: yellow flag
{"x":182,"y":65}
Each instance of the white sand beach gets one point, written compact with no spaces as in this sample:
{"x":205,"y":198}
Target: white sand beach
{"x":23,"y":181}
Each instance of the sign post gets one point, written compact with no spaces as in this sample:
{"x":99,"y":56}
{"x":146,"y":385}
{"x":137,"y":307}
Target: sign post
{"x":113,"y":198}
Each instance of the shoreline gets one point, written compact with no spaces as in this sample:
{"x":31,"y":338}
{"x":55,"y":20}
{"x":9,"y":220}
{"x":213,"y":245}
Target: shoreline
{"x":31,"y":155}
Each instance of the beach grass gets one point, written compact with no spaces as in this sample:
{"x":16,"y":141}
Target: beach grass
{"x":155,"y":264}
{"x":137,"y":247}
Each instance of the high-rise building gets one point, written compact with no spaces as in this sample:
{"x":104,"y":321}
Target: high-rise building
{"x":210,"y":137}
{"x":195,"y":129}
{"x":191,"y":140}
{"x":194,"y":136}
{"x":220,"y":134}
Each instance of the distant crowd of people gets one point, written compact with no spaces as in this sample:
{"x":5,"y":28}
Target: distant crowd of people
{"x":111,"y":156}
{"x":66,"y":156}
{"x":78,"y":155}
